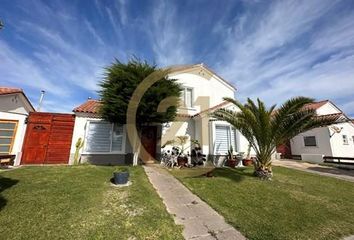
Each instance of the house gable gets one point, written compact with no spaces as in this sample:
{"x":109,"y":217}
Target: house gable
{"x":13,"y":100}
{"x":203,"y":84}
{"x":200,"y":70}
{"x":15,"y":103}
{"x":328,"y":108}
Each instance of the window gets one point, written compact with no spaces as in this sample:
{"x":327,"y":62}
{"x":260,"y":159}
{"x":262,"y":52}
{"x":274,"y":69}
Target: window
{"x":310,"y":141}
{"x":225,"y":136}
{"x":7,"y":135}
{"x":104,"y":137}
{"x":187,"y":97}
{"x":345,"y":139}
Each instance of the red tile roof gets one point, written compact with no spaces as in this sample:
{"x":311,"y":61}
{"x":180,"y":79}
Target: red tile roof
{"x":183,"y":115}
{"x":212,"y":108}
{"x":316,"y":105}
{"x":332,"y":115}
{"x":9,"y":90}
{"x":90,"y":106}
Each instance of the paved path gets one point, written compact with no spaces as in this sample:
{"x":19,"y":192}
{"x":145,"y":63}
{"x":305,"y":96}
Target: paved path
{"x":349,"y":238}
{"x":200,"y":221}
{"x":342,"y":174}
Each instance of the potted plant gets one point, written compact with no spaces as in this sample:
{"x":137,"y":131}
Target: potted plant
{"x":178,"y":149}
{"x":121,"y":176}
{"x":182,"y":158}
{"x":231,"y":160}
{"x":248,"y":161}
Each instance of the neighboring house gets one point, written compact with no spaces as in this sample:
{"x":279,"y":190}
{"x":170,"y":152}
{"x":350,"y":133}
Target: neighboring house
{"x":335,"y":140}
{"x":14,"y":109}
{"x":106,"y":143}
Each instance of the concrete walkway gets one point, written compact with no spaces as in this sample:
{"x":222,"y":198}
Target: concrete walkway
{"x":200,"y":221}
{"x":342,"y":174}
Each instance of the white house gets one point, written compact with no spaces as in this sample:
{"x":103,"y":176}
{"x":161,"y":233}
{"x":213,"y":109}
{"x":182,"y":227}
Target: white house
{"x":336,"y":140}
{"x":106,"y":143}
{"x":14,"y":109}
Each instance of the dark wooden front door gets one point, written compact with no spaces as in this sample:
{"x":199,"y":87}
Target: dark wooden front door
{"x":48,"y":138}
{"x":148,"y":140}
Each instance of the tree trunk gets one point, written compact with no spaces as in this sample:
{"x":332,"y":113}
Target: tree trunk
{"x":263,"y":167}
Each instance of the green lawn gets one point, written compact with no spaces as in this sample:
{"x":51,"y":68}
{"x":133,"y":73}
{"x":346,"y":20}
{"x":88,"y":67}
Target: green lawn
{"x":294,"y":205}
{"x":78,"y":202}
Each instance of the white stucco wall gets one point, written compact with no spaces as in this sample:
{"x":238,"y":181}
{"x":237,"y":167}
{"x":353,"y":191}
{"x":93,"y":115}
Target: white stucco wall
{"x":204,"y":84}
{"x":15,"y":107}
{"x":241,"y":142}
{"x":20,"y":133}
{"x":190,"y":128}
{"x":322,"y":139}
{"x":14,"y":103}
{"x":329,"y":142}
{"x":80,"y":130}
{"x":339,"y":149}
{"x":185,"y":128}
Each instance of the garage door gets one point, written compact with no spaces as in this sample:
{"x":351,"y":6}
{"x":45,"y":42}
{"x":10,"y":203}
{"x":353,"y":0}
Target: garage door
{"x":48,"y":138}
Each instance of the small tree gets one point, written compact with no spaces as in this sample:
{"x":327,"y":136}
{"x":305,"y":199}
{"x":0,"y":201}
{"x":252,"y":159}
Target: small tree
{"x":267,"y":128}
{"x":119,"y":84}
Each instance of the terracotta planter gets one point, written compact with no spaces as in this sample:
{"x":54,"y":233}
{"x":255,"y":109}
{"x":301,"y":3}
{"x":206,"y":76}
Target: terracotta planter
{"x":182,"y":161}
{"x":247,"y":162}
{"x":231,"y":163}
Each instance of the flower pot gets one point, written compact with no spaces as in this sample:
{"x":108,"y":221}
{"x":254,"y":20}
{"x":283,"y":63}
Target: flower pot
{"x":247,"y":162}
{"x":231,"y":163}
{"x":121,"y":177}
{"x":182,"y":160}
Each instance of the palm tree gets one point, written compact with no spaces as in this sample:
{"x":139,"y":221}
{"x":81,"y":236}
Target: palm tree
{"x":266,"y":128}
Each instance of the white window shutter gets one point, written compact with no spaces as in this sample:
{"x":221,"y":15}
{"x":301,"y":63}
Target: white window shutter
{"x":222,"y":139}
{"x":98,"y":137}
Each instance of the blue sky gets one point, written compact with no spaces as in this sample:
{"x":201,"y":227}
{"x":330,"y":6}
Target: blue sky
{"x":268,"y":49}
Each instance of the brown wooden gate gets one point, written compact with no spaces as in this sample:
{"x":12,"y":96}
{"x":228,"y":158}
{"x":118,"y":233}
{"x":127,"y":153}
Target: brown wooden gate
{"x":48,"y":138}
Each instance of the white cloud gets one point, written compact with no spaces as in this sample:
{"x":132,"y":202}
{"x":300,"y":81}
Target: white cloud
{"x":53,"y":55}
{"x":273,"y":50}
{"x":64,"y":59}
{"x":284,"y":52}
{"x":18,"y":70}
{"x":92,"y":30}
{"x":114,"y":23}
{"x":348,"y":108}
{"x":122,"y":10}
{"x":170,"y":41}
